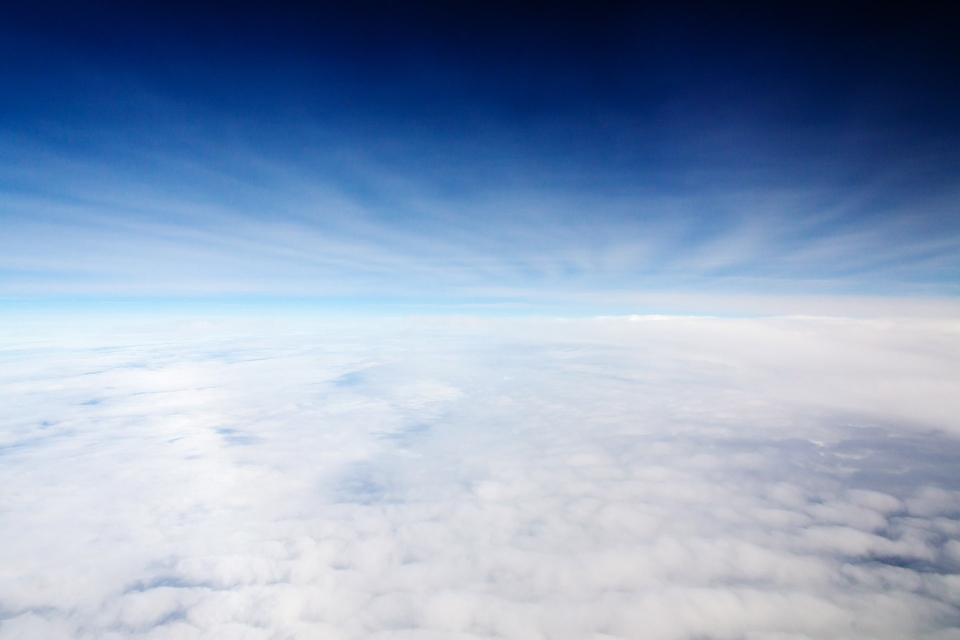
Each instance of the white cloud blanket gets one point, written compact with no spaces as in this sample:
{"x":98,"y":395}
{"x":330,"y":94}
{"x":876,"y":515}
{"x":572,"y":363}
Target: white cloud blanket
{"x":654,"y":478}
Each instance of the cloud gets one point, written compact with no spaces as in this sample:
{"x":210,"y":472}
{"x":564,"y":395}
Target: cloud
{"x":600,"y":478}
{"x":195,"y":205}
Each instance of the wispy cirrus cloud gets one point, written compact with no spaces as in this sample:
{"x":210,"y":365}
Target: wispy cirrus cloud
{"x":170,"y":223}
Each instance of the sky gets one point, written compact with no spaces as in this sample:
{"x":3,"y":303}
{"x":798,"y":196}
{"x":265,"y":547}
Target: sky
{"x":545,"y":157}
{"x":479,"y":320}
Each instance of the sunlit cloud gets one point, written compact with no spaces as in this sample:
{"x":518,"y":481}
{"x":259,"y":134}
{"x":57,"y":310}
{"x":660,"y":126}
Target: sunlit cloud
{"x":654,"y":477}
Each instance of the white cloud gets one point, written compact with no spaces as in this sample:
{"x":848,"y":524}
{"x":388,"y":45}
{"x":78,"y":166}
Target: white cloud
{"x":605,"y":478}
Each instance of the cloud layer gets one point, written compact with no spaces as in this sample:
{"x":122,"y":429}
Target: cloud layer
{"x":452,"y":478}
{"x":239,"y":220}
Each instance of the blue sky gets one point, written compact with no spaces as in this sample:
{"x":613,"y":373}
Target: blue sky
{"x":534,"y":157}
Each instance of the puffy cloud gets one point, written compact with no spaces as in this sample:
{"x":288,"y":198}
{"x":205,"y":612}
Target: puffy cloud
{"x":451,"y":478}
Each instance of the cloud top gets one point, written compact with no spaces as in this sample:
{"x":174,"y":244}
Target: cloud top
{"x":609,"y":478}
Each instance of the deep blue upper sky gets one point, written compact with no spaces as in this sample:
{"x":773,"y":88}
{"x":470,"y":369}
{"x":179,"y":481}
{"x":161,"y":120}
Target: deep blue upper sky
{"x":478,"y":151}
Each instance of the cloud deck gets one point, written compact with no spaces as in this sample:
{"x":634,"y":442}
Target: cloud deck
{"x":610,"y":478}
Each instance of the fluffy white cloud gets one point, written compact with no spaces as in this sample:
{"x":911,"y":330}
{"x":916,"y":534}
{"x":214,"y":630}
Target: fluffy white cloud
{"x":452,"y":478}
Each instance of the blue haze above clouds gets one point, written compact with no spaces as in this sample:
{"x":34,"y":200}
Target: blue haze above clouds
{"x":225,"y":412}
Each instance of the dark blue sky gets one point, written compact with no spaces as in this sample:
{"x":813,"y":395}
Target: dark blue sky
{"x":478,"y":151}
